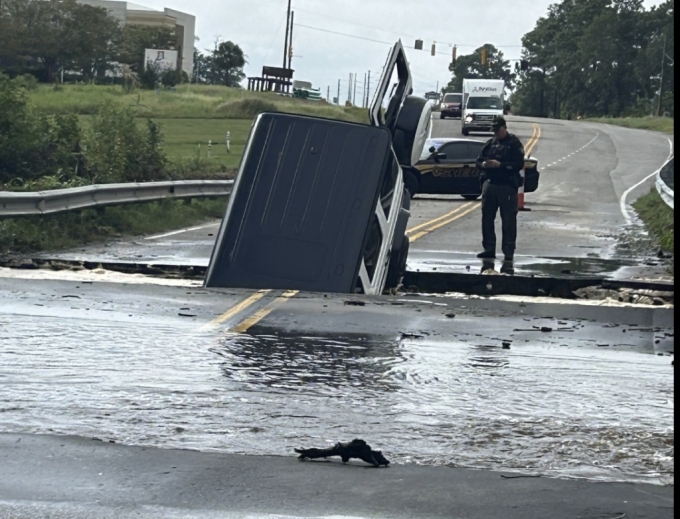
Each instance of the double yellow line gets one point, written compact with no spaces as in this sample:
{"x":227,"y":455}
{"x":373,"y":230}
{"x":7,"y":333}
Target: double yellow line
{"x":441,"y":221}
{"x":244,"y":325}
{"x":532,"y":140}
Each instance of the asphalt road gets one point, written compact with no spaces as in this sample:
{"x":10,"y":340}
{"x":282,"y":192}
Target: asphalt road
{"x":119,"y":482}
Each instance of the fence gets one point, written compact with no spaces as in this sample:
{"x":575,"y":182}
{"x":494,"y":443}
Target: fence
{"x":57,"y":200}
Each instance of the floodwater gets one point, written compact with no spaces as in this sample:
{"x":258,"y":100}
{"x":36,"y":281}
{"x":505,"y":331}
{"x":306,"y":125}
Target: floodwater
{"x":536,"y":408}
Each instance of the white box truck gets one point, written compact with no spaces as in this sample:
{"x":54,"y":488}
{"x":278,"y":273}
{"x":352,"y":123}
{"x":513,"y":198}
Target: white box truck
{"x":484,"y":98}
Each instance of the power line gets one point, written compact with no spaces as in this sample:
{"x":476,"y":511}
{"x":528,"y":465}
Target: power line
{"x":391,"y":42}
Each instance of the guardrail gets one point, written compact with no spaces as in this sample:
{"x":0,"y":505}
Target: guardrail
{"x":663,"y":176}
{"x":57,"y":200}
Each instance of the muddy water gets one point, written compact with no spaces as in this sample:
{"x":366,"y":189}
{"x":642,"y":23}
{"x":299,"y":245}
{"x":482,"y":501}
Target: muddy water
{"x":535,"y":408}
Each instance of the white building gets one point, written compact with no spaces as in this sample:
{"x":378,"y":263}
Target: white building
{"x":184,"y":25}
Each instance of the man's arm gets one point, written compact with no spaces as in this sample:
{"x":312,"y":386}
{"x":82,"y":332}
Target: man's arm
{"x":484,"y":153}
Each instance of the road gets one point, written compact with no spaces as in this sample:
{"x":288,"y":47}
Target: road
{"x":580,"y":218}
{"x":580,"y":394}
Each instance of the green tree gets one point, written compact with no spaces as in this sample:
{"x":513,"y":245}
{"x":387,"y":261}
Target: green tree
{"x":470,"y":67}
{"x":51,"y":35}
{"x":594,"y":57}
{"x":227,"y":63}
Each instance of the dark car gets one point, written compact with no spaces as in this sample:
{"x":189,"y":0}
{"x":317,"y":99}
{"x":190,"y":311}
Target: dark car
{"x":449,"y":166}
{"x":451,"y":106}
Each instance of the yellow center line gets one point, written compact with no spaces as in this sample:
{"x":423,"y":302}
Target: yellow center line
{"x":534,"y":139}
{"x":236,"y":309}
{"x":430,"y":222}
{"x":262,"y":313}
{"x":441,"y":224}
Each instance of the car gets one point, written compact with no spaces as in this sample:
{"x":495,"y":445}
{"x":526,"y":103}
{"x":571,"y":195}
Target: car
{"x":451,"y":106}
{"x":449,"y":166}
{"x":320,"y":204}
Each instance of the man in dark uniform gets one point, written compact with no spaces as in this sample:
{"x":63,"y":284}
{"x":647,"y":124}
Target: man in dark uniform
{"x":501,"y":161}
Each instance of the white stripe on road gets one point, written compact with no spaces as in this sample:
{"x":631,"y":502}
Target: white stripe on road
{"x":189,"y":229}
{"x":624,"y":207}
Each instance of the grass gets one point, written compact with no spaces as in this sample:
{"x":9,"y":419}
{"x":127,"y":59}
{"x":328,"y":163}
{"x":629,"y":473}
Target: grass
{"x":187,"y":101}
{"x":659,"y":124}
{"x":62,"y":230}
{"x":189,"y":116}
{"x":658,"y":218}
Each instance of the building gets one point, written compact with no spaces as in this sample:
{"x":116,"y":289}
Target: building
{"x":183,"y":23}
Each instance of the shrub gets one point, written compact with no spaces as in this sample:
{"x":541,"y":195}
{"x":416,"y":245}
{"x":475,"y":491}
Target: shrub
{"x":118,"y":150}
{"x":34,"y":145}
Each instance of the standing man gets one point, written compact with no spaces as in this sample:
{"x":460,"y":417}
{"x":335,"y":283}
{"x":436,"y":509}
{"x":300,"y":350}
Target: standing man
{"x":501,"y":161}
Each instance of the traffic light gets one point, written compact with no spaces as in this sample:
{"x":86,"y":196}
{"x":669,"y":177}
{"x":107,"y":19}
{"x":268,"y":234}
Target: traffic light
{"x":483,"y":59}
{"x":523,"y":64}
{"x":419,"y":45}
{"x":432,"y":52}
{"x":453,"y":57}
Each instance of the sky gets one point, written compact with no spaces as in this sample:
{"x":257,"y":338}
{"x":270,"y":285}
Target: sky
{"x":333,"y":39}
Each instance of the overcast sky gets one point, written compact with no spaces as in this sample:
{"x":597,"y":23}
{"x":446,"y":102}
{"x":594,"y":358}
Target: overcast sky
{"x":323,"y":57}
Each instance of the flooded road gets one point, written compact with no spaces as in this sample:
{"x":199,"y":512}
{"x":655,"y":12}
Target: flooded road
{"x":541,"y":407}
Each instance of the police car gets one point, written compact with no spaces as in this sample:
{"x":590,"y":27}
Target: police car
{"x":449,"y":166}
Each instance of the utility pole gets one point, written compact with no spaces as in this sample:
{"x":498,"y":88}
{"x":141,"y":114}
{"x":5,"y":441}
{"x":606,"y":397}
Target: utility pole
{"x":338,"y":98}
{"x":349,"y":89}
{"x":285,"y":43}
{"x":290,"y":39}
{"x":663,"y":60}
{"x":328,"y":94}
{"x":354,"y":96}
{"x":368,"y":89}
{"x":363,"y":98}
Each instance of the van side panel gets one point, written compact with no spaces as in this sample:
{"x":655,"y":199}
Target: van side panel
{"x":301,"y":205}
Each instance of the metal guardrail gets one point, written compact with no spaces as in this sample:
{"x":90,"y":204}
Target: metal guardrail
{"x":664,"y":177}
{"x":57,"y":200}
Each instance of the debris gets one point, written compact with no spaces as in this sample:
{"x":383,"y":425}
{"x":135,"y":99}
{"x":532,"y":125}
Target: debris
{"x":506,"y":345}
{"x":355,"y":303}
{"x":184,"y":314}
{"x":411,"y":336}
{"x":357,"y":448}
{"x":450,"y":315}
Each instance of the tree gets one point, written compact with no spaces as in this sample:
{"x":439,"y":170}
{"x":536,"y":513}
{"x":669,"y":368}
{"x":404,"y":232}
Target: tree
{"x":470,"y":67}
{"x":135,"y":38}
{"x":51,"y":35}
{"x":227,"y":64}
{"x":595,"y":57}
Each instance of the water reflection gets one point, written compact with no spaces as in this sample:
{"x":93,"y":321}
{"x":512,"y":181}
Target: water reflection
{"x":318,"y":364}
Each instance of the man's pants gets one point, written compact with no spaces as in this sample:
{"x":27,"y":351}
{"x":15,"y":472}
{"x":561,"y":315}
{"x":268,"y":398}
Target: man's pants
{"x":503,"y":197}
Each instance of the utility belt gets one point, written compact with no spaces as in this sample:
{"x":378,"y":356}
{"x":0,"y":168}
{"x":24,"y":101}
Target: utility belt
{"x":505,"y":178}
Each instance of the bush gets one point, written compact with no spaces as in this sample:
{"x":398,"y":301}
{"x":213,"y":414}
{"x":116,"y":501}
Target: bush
{"x":27,"y":81}
{"x":119,"y":151}
{"x":245,"y":108}
{"x":34,"y":145}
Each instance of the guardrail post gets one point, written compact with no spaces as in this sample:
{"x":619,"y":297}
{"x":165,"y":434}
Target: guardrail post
{"x":209,"y":148}
{"x":228,"y":142}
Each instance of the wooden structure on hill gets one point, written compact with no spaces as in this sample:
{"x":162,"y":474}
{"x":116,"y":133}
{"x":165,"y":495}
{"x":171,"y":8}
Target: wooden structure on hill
{"x":274,"y":79}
